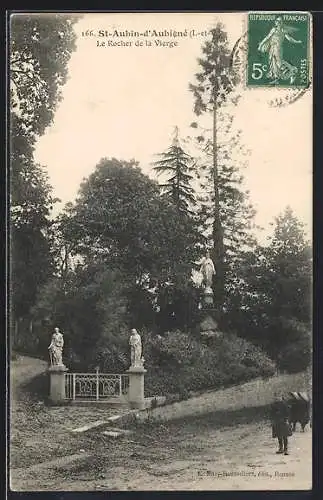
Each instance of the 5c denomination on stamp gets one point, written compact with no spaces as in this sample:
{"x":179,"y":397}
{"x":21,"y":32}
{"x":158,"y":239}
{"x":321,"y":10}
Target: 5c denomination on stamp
{"x":278,"y":49}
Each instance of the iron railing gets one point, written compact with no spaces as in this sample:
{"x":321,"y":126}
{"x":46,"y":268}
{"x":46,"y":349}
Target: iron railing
{"x":96,"y":386}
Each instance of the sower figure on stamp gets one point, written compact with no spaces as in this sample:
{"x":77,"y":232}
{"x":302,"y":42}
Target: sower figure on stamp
{"x":56,"y":348}
{"x":281,"y":428}
{"x":273,"y":45}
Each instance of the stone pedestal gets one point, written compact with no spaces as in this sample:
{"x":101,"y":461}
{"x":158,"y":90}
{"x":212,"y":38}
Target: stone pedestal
{"x":209,"y":325}
{"x":57,"y":383}
{"x":137,"y":386}
{"x":208,"y":297}
{"x":209,"y":317}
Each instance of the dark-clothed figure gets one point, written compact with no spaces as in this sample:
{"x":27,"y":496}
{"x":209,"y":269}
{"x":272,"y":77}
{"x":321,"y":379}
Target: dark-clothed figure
{"x":299,"y":409}
{"x":281,"y":428}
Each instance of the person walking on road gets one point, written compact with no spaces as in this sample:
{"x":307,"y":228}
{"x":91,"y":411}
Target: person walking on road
{"x":281,"y":429}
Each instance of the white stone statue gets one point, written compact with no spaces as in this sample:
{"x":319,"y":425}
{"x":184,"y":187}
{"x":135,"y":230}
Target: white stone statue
{"x":207,"y":270}
{"x":56,"y":348}
{"x":136,"y":348}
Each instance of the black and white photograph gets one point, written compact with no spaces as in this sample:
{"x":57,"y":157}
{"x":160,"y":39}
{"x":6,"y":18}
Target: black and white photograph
{"x":160,"y":251}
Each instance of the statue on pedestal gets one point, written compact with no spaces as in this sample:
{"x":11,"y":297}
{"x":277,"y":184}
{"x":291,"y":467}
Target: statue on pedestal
{"x":136,"y":348}
{"x":208,"y":271}
{"x":56,"y":348}
{"x":209,"y":324}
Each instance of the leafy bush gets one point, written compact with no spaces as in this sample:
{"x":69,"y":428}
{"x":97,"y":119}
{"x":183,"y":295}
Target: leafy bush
{"x":111,"y":355}
{"x":295,"y":356}
{"x":178,"y":363}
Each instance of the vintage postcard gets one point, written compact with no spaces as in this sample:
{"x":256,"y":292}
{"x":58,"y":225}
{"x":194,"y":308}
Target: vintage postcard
{"x":160,"y":251}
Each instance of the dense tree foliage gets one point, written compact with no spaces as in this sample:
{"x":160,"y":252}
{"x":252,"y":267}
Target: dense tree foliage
{"x":273,"y":304}
{"x":132,"y":259}
{"x":40,"y":48}
{"x":90,"y":306}
{"x":120,"y":218}
{"x":30,"y":237}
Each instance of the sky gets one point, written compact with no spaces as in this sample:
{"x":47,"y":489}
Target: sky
{"x":124,"y":102}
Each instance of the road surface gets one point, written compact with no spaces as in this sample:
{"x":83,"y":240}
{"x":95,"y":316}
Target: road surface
{"x":216,"y":452}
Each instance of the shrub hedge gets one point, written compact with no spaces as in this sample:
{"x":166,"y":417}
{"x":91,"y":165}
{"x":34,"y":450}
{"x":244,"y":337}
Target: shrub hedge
{"x":178,"y":363}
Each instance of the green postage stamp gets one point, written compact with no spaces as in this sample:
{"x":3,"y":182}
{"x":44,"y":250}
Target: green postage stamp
{"x":278,"y":49}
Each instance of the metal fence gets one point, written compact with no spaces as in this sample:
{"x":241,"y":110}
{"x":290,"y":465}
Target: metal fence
{"x":96,"y":386}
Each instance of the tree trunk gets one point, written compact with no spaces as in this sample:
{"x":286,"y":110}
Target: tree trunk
{"x":218,"y":249}
{"x":16,"y":334}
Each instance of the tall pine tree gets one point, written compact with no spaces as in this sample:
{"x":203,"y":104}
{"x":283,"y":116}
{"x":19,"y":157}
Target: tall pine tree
{"x":226,"y":213}
{"x":175,"y":165}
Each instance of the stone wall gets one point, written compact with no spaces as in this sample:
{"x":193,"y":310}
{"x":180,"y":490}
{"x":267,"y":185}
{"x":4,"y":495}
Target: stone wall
{"x":259,"y":392}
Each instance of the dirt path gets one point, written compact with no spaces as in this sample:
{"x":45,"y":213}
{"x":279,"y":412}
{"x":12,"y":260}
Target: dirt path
{"x":199,"y":454}
{"x":226,"y":450}
{"x":41,"y":434}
